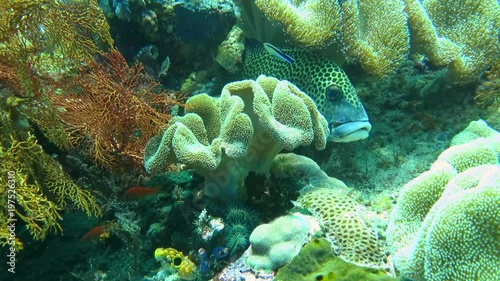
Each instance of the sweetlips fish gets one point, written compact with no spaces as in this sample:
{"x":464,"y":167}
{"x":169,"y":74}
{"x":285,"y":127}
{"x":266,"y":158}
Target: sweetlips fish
{"x":321,"y":79}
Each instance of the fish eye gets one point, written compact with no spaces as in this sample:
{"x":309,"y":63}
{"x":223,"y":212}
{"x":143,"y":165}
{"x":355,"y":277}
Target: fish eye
{"x":334,"y":93}
{"x":176,"y":262}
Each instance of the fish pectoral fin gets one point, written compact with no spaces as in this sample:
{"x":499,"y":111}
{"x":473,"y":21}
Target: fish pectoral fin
{"x":278,"y":53}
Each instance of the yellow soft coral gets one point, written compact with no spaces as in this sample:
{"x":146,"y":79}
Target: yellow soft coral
{"x":307,"y":22}
{"x":65,"y":33}
{"x":460,"y":33}
{"x":40,"y":214}
{"x":440,"y":51}
{"x":42,"y":41}
{"x":225,"y":138}
{"x":375,"y":34}
{"x":473,"y":25}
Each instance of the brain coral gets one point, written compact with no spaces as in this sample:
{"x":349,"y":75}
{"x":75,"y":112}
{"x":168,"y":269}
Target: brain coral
{"x":451,"y":215}
{"x":348,"y":231}
{"x":241,"y":131}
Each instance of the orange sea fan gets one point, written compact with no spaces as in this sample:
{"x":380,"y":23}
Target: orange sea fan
{"x":112,"y":109}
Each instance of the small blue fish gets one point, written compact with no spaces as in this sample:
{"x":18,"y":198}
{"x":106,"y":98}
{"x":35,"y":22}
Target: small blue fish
{"x":278,"y":53}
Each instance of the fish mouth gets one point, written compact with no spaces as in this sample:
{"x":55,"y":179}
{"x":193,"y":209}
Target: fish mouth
{"x":349,"y":131}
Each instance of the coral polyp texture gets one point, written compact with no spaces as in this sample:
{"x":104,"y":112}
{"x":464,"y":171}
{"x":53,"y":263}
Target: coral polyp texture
{"x":440,"y":50}
{"x":450,"y":214}
{"x":462,"y":34}
{"x":473,"y":26}
{"x":476,"y":129}
{"x":375,"y":34}
{"x":309,"y":23}
{"x":345,"y":227}
{"x":241,"y":131}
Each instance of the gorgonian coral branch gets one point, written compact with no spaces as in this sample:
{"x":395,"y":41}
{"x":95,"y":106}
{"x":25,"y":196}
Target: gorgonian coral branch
{"x":112,"y":109}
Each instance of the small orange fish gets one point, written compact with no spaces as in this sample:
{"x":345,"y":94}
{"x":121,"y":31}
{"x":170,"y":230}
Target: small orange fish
{"x":138,"y":192}
{"x":100,"y":231}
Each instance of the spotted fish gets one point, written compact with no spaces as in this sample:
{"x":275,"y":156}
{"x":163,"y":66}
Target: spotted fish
{"x":324,"y":81}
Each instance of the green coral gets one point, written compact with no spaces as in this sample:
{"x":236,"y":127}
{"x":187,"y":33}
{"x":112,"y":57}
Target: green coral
{"x":473,"y":26}
{"x":315,"y":262}
{"x":225,"y":138}
{"x":461,"y":230}
{"x":450,"y":215}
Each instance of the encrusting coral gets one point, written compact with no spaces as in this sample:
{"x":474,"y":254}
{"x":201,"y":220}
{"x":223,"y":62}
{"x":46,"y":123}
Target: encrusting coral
{"x":316,"y":262}
{"x":345,"y":225}
{"x":225,"y":138}
{"x":450,"y":214}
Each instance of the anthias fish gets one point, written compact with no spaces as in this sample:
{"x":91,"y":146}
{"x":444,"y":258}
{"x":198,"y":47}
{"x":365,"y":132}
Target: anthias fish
{"x":324,"y":81}
{"x":138,"y":192}
{"x":96,"y":232}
